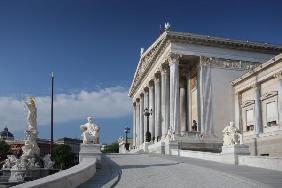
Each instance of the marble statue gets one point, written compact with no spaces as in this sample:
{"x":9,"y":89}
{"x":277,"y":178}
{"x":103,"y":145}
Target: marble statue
{"x":48,"y":163}
{"x":141,"y":51}
{"x":231,"y":135}
{"x":170,"y":134}
{"x":31,"y":115}
{"x":90,"y":132}
{"x":167,"y":26}
{"x":10,"y":161}
{"x":120,"y":140}
{"x":30,"y":147}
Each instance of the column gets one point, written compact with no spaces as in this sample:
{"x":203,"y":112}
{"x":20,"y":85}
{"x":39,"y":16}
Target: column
{"x":206,"y":121}
{"x":152,"y":106}
{"x":278,"y":76}
{"x":146,"y":105}
{"x":137,"y":122}
{"x":237,"y":111}
{"x":174,"y":92}
{"x":182,"y":93}
{"x":188,"y":104}
{"x":165,"y":99}
{"x":134,"y":124}
{"x":258,"y":112}
{"x":157,"y":81}
{"x":141,"y":125}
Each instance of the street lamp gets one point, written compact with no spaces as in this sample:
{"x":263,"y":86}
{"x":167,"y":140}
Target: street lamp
{"x":126,"y":131}
{"x":147,"y":113}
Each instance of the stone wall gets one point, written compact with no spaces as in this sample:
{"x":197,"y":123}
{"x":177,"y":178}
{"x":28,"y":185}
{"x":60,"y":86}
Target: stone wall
{"x":272,"y":163}
{"x":69,"y":178}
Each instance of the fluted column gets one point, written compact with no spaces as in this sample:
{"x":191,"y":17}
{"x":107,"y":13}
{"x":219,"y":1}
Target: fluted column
{"x":174,"y":92}
{"x":238,"y":110}
{"x":188,"y":103}
{"x":146,"y":105}
{"x":141,"y":125}
{"x":205,"y":99}
{"x":165,"y":99}
{"x":137,"y":122}
{"x":258,"y":112}
{"x":152,"y":106}
{"x":158,"y":131}
{"x":134,"y":124}
{"x":278,"y":76}
{"x":182,"y":93}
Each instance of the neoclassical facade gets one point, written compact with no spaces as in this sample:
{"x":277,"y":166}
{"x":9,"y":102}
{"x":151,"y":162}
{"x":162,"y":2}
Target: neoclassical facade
{"x":184,"y":80}
{"x":258,"y":107}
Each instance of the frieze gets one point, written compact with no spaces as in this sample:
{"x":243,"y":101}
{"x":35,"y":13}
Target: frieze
{"x":227,"y":63}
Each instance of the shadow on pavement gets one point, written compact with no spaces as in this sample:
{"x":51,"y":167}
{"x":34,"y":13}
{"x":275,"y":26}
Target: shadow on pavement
{"x":108,"y":176}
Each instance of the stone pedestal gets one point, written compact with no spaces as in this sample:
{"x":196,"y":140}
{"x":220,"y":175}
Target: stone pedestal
{"x":145,"y":146}
{"x":230,"y":153}
{"x":169,"y":144}
{"x":90,"y":151}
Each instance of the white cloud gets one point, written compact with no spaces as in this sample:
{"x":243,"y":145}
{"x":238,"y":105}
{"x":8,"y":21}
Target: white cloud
{"x":105,"y":103}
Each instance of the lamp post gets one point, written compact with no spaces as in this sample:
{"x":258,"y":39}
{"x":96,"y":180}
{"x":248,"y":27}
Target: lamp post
{"x":147,"y":113}
{"x":52,"y":110}
{"x":126,"y":131}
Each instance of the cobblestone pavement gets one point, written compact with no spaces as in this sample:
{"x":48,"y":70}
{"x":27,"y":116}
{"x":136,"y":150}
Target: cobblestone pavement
{"x":143,"y":170}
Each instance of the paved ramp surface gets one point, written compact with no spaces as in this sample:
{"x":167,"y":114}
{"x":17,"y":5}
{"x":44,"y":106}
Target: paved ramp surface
{"x":143,"y":170}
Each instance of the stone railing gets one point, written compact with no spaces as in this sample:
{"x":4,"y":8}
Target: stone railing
{"x":272,"y":163}
{"x":68,"y":178}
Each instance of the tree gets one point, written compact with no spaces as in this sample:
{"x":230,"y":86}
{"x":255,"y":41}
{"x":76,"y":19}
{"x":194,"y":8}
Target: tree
{"x":112,"y":148}
{"x":4,"y":150}
{"x":63,"y":156}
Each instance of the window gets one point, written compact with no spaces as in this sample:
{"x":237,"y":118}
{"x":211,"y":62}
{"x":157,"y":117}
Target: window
{"x":271,"y":114}
{"x":250,"y":119}
{"x":270,"y":109}
{"x":248,"y":110}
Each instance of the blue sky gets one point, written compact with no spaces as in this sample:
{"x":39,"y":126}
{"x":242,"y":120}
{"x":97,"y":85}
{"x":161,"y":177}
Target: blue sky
{"x":93,"y":47}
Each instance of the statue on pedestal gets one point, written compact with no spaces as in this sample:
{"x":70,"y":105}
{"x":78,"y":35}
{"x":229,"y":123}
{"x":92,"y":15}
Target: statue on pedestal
{"x":170,"y":134}
{"x":90,"y":132}
{"x":231,"y":135}
{"x":31,"y":116}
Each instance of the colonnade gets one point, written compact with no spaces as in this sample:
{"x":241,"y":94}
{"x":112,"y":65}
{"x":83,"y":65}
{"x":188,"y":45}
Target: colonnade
{"x":166,"y":97}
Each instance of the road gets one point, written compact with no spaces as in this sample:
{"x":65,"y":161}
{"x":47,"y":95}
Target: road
{"x":145,"y":170}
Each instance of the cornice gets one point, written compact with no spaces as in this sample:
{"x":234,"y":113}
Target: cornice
{"x":261,"y":67}
{"x":224,"y":42}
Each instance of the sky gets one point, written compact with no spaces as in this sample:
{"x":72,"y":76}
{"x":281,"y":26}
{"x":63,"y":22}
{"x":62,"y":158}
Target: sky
{"x":93,"y":48}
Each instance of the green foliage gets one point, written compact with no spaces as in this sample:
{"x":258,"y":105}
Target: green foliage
{"x":4,"y":150}
{"x":63,"y":156}
{"x":112,"y":148}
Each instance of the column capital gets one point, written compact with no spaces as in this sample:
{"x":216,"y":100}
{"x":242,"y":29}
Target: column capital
{"x":157,"y":76}
{"x":146,"y":89}
{"x":164,"y":68}
{"x":134,"y":104}
{"x":278,"y":75}
{"x":141,"y":95}
{"x":173,"y":58}
{"x":151,"y":83}
{"x":137,"y":100}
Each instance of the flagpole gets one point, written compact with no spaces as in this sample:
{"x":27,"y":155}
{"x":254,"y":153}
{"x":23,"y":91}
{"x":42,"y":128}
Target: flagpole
{"x":52,"y":101}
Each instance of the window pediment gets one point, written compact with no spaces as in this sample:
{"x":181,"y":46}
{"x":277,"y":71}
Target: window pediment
{"x":268,"y":95}
{"x":247,"y":103}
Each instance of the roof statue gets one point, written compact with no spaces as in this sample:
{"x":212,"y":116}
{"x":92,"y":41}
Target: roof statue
{"x":167,"y":26}
{"x":141,"y":51}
